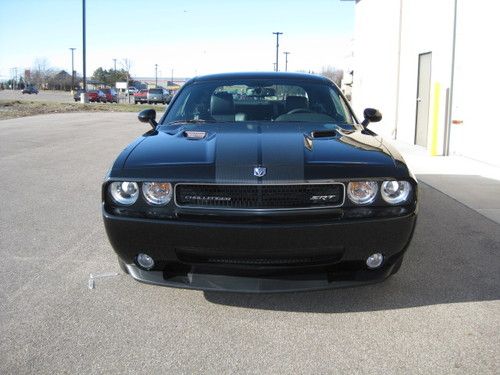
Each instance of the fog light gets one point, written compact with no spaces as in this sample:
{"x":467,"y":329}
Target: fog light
{"x":374,"y":260}
{"x":145,"y":261}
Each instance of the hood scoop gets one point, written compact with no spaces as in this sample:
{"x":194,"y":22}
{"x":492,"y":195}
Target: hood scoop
{"x":190,"y":134}
{"x":315,"y":134}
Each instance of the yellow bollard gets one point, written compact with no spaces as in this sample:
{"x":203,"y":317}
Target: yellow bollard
{"x":435,"y":121}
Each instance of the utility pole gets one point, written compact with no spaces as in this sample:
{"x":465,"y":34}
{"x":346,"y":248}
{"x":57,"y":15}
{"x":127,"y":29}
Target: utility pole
{"x":172,"y":77}
{"x":84,"y":50}
{"x":286,"y":60}
{"x":14,"y":79}
{"x":156,"y":75}
{"x":277,"y":33}
{"x":114,"y":60}
{"x":72,"y":69}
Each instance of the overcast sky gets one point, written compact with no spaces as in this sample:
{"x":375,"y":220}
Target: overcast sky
{"x":192,"y":37}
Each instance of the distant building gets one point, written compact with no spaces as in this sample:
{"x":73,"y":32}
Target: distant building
{"x":431,"y":68}
{"x":59,"y":81}
{"x":163,"y":82}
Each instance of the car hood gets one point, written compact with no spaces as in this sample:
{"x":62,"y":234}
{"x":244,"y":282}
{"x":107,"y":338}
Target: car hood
{"x":229,"y":152}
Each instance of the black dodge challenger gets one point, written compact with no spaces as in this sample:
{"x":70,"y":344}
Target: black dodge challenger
{"x":259,"y":182}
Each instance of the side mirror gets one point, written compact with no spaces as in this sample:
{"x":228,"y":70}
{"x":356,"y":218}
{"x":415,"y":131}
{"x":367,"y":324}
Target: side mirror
{"x":371,"y":115}
{"x":148,"y":115}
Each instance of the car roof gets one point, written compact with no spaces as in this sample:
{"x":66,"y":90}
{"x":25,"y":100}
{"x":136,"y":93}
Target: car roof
{"x":261,"y":75}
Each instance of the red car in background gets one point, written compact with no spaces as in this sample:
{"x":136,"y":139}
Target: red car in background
{"x":96,"y":96}
{"x":141,"y":96}
{"x":111,"y":95}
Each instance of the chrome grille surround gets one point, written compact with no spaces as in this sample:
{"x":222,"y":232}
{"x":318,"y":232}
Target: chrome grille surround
{"x":225,"y":198}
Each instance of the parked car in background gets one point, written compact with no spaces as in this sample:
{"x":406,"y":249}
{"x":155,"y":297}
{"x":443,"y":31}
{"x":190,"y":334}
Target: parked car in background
{"x":30,"y":90}
{"x":169,"y":97}
{"x":132,"y":90}
{"x":141,"y":96}
{"x":77,"y":95}
{"x":96,"y":96}
{"x":158,"y":95}
{"x":277,"y":188}
{"x":111,"y":95}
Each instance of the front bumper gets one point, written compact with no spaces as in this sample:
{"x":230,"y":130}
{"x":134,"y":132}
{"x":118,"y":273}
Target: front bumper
{"x":260,"y":257}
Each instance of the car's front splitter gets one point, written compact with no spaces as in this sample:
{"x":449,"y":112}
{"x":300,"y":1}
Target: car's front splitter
{"x":262,"y":284}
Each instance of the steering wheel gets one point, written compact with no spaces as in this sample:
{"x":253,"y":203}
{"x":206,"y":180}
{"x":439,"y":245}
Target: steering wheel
{"x":299,"y":110}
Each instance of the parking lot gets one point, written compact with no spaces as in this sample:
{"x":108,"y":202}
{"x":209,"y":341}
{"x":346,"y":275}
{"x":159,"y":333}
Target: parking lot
{"x":439,"y":314}
{"x":48,"y":96}
{"x":42,"y":96}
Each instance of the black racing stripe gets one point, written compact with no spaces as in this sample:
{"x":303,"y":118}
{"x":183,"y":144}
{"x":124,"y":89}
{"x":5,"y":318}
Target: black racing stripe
{"x":279,"y":150}
{"x":236,"y":154}
{"x":283,"y":155}
{"x":259,"y":152}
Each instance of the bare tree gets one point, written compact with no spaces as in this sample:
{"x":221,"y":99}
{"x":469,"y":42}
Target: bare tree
{"x":333,"y":74}
{"x":41,"y":72}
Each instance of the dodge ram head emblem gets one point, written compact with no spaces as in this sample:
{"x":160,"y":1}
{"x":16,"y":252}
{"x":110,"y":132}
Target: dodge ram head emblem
{"x":259,"y":171}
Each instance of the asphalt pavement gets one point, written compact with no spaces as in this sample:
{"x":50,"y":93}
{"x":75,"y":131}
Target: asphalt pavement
{"x":42,"y":96}
{"x":49,"y":96}
{"x":439,"y":314}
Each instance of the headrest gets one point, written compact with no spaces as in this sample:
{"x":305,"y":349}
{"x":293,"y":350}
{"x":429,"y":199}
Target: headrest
{"x":294,"y":102}
{"x":222,"y":104}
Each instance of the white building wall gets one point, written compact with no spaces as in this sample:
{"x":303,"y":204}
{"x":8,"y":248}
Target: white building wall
{"x":427,"y":26}
{"x":477,"y":82}
{"x":375,"y":61}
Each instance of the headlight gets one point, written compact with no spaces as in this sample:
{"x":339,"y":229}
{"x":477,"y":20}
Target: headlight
{"x":362,"y":192}
{"x":157,"y":193}
{"x":395,"y":192}
{"x":124,"y":192}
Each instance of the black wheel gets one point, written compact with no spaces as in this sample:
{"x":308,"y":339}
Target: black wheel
{"x":122,"y":266}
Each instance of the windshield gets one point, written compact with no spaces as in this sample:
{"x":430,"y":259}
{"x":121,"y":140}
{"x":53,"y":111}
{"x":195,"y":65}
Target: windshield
{"x":257,"y":100}
{"x":155,"y":91}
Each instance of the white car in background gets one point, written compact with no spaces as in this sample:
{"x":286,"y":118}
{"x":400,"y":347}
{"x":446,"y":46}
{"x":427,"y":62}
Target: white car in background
{"x":132,"y":90}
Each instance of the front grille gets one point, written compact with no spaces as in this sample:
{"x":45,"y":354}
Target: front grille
{"x":259,"y":196}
